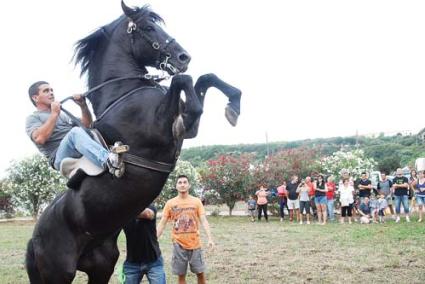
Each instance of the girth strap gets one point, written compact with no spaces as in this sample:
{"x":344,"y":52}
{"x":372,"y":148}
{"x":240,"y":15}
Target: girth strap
{"x":149,"y":164}
{"x":139,"y":161}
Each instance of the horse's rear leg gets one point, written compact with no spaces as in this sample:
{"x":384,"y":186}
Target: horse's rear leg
{"x":99,"y":262}
{"x":211,"y":80}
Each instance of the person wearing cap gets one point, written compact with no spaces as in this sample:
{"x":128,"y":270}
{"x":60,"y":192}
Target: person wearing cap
{"x":400,"y":188}
{"x":57,"y":137}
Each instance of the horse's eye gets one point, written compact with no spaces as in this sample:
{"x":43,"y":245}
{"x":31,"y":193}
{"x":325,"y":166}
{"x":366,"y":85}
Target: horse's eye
{"x":149,"y":29}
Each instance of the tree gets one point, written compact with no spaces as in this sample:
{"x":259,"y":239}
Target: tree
{"x":280,"y":166}
{"x":169,"y":189}
{"x":31,"y":183}
{"x":354,"y":162}
{"x":390,"y":164}
{"x":229,"y":176}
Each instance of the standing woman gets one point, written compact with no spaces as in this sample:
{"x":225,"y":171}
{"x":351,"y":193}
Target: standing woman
{"x":282,"y":193}
{"x":346,"y":193}
{"x":321,"y":200}
{"x":412,"y":185}
{"x":330,"y":197}
{"x":262,"y":202}
{"x":304,"y":202}
{"x":420,"y":194}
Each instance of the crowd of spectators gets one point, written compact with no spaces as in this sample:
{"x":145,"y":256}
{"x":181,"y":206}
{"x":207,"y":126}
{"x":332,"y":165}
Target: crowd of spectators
{"x":319,"y":199}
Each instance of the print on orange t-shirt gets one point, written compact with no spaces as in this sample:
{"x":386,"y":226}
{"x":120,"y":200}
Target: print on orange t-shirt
{"x":185,"y":214}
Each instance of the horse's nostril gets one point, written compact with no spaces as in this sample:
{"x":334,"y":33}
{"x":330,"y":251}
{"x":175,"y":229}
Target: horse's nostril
{"x":184,"y":57}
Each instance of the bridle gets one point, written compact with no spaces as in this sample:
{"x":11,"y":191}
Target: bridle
{"x":161,"y":49}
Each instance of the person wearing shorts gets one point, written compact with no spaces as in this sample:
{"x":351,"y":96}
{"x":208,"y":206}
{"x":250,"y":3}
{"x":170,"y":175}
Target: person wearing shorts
{"x":384,"y":188}
{"x":252,"y":206}
{"x":420,"y":194}
{"x":293,"y":201}
{"x":187,"y":214}
{"x":321,"y":200}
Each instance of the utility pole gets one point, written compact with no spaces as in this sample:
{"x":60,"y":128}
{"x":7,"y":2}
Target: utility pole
{"x":357,"y":138}
{"x":267,"y":144}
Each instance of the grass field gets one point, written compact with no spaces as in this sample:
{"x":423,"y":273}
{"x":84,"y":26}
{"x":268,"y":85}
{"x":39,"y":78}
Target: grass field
{"x":276,"y":252}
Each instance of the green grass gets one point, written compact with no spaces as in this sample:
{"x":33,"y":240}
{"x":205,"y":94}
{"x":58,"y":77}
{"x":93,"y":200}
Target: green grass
{"x":276,"y":252}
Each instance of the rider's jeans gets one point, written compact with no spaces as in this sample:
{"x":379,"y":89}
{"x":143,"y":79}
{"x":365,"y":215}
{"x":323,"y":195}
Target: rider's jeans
{"x":78,"y":143}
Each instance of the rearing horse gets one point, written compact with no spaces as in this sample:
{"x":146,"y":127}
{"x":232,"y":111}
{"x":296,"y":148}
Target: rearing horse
{"x":78,"y":230}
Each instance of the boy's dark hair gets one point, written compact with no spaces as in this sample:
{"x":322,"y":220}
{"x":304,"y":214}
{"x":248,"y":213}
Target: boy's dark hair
{"x":363,"y":173}
{"x":33,"y":89}
{"x":182,"y":176}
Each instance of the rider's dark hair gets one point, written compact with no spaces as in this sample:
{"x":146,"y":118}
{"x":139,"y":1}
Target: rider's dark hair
{"x":33,"y":89}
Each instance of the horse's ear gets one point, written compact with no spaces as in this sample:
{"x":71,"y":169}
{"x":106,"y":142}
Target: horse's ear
{"x":129,"y":12}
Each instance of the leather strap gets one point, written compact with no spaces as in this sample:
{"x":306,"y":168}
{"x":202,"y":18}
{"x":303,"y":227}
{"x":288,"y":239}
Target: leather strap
{"x":148,"y":164}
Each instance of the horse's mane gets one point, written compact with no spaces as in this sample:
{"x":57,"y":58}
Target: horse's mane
{"x":86,"y":48}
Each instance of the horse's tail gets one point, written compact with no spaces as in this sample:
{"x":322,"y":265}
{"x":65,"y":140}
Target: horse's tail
{"x":32,"y":270}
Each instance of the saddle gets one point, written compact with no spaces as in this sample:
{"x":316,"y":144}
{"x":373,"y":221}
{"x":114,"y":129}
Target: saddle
{"x":76,"y":169}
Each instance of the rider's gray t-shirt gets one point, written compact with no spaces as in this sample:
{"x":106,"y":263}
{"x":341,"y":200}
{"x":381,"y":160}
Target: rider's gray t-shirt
{"x":63,"y":126}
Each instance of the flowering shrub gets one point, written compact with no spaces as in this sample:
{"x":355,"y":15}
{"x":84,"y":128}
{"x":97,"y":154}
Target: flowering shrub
{"x":229,"y":176}
{"x":32,"y":183}
{"x":280,"y":166}
{"x":353,"y":162}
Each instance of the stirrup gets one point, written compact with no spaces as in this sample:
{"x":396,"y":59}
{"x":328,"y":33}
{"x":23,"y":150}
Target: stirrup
{"x":119,"y":148}
{"x":115,"y":171}
{"x":119,"y":172}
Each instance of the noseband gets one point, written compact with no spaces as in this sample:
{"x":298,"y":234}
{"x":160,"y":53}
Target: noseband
{"x":160,"y":48}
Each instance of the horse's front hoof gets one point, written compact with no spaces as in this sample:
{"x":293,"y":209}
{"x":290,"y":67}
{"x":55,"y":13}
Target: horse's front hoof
{"x":231,"y":115}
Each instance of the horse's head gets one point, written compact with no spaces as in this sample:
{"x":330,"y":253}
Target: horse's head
{"x":150,"y":44}
{"x":124,"y":48}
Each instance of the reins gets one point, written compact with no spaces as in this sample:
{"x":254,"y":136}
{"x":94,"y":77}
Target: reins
{"x":128,"y":158}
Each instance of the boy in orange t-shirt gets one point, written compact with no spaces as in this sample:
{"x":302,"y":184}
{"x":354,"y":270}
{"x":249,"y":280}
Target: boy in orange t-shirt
{"x":187,"y":213}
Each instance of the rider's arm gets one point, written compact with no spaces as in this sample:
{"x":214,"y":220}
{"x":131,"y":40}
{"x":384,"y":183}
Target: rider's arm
{"x":86,"y":118}
{"x":43,"y":133}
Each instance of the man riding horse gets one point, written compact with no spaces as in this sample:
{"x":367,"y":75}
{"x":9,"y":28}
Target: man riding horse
{"x":57,"y":137}
{"x":79,"y":229}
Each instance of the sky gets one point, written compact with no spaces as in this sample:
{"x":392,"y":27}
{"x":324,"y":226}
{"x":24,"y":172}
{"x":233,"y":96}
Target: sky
{"x":307,"y":69}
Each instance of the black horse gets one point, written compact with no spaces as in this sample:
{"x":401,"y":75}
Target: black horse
{"x":78,"y":230}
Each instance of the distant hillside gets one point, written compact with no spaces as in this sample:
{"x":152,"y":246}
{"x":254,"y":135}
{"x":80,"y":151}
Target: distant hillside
{"x":397,"y":150}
